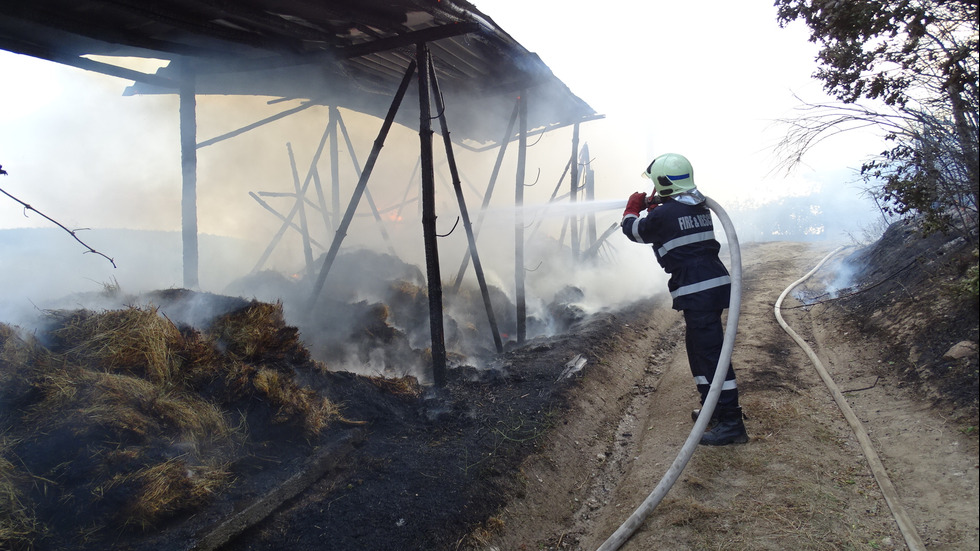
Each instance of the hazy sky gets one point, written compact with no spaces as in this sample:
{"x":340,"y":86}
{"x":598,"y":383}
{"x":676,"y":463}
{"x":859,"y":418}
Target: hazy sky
{"x":705,"y":78}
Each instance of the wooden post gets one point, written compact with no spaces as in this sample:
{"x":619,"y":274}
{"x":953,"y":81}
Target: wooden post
{"x":488,"y":194}
{"x":519,"y":274}
{"x":295,"y":209}
{"x":361,"y":184}
{"x":573,"y":197}
{"x":591,"y":230}
{"x":188,"y":166}
{"x":304,"y":227}
{"x":322,"y":203}
{"x":457,"y":186}
{"x":429,"y":235}
{"x":282,"y":218}
{"x":334,"y":163}
{"x":367,"y":192}
{"x":551,"y":200}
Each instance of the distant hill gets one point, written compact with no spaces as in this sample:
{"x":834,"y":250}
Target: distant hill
{"x":43,"y":264}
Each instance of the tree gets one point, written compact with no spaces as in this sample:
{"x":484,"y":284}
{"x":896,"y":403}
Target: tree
{"x":917,"y":61}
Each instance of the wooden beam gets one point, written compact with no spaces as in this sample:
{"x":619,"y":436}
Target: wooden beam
{"x":188,"y":164}
{"x":429,"y":236}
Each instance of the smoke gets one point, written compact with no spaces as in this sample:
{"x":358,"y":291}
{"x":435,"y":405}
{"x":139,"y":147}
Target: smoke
{"x":844,"y":280}
{"x":114,"y":167}
{"x":123,"y":182}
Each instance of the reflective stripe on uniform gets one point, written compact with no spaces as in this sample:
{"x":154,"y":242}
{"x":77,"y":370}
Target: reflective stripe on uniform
{"x":700,"y":286}
{"x":685,"y":240}
{"x":727,"y":385}
{"x":635,"y":229}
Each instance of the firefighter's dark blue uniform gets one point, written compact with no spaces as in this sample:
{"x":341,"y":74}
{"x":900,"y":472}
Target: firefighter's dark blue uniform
{"x":683,"y":240}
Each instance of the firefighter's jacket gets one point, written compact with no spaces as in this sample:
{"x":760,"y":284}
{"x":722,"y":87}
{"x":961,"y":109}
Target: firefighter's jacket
{"x":683,"y":240}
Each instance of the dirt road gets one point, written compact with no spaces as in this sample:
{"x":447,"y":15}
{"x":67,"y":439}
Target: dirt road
{"x":801,"y":482}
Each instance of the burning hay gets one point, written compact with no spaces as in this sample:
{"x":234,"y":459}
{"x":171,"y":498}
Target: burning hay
{"x":259,"y":331}
{"x":121,"y":419}
{"x":136,"y":339}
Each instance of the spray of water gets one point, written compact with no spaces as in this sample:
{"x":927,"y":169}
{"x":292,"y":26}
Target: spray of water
{"x":565,"y":208}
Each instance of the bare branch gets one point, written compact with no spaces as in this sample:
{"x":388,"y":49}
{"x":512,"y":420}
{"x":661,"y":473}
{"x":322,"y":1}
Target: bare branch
{"x":55,"y":222}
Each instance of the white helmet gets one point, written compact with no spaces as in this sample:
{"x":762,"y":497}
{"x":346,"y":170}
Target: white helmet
{"x":671,"y":174}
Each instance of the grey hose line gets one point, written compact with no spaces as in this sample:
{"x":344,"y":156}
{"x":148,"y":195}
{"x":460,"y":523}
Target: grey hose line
{"x":877,"y":468}
{"x":623,"y":533}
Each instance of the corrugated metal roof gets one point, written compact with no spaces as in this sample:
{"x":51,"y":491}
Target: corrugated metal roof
{"x":348,"y":53}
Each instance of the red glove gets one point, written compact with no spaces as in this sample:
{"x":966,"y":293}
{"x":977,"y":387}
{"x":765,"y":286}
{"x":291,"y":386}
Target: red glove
{"x":636,"y":203}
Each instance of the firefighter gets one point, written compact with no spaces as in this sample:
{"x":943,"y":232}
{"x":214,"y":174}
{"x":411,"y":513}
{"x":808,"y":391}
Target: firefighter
{"x":679,"y":227}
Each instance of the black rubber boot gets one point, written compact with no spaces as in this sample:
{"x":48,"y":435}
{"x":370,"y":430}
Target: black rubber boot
{"x":695,"y":413}
{"x":729,"y":430}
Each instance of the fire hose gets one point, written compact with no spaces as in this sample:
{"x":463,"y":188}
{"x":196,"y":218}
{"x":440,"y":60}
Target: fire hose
{"x":905,"y":524}
{"x":623,"y":533}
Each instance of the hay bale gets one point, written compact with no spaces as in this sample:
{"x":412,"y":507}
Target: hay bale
{"x":15,"y":350}
{"x":125,"y":418}
{"x":258,"y":332}
{"x":136,"y":339}
{"x":161,"y":490}
{"x":18,"y":526}
{"x":280,"y":397}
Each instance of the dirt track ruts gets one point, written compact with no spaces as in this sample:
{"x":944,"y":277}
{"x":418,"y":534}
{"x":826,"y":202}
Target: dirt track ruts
{"x":800,"y":483}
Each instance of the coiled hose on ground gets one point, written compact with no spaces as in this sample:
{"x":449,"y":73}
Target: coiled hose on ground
{"x":623,"y":533}
{"x":905,"y":524}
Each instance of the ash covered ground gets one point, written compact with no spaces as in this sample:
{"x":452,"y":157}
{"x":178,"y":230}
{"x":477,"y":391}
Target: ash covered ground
{"x":210,"y":421}
{"x":149,"y":423}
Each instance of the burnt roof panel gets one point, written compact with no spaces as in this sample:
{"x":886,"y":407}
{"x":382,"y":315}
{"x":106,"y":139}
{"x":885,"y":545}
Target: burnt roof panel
{"x":348,"y":53}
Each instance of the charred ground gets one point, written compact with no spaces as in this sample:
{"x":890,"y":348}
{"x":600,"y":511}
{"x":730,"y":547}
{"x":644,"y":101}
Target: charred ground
{"x":92,"y":434}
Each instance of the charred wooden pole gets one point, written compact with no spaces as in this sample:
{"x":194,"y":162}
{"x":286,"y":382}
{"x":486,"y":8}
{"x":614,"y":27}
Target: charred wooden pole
{"x":593,"y":250}
{"x":322,"y":200}
{"x":246,"y":128}
{"x":429,"y":236}
{"x":489,"y":193}
{"x":591,"y":231}
{"x":573,"y":197}
{"x":361,"y":184}
{"x":304,"y":227}
{"x":292,"y":213}
{"x":464,"y":214}
{"x":520,"y":299}
{"x":367,"y":192}
{"x":309,"y":203}
{"x":282,"y":218}
{"x":334,"y":163}
{"x":408,"y":189}
{"x":188,"y":170}
{"x":551,"y":200}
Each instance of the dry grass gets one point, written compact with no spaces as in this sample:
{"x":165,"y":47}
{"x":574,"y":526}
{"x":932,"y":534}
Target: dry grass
{"x":403,"y":386}
{"x":257,"y":330}
{"x":163,"y":489}
{"x":293,"y":402}
{"x":14,"y":349}
{"x":135,"y":339}
{"x":481,"y":536}
{"x":127,"y":420}
{"x":17,"y":522}
{"x":687,"y":511}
